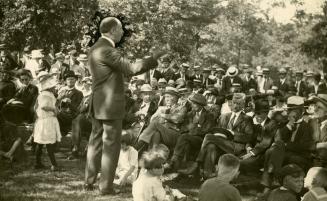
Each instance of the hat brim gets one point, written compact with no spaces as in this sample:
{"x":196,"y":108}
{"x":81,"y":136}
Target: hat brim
{"x":315,"y":99}
{"x":197,"y":102}
{"x":172,"y":93}
{"x":232,"y":74}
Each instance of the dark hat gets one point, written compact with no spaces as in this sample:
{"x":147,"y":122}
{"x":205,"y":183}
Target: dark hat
{"x":140,"y":82}
{"x":198,"y":99}
{"x":222,"y":132}
{"x":24,"y":71}
{"x":220,"y":70}
{"x":299,"y":72}
{"x":265,"y":70}
{"x":206,"y":70}
{"x":290,"y":170}
{"x":322,"y":98}
{"x":70,"y":74}
{"x":261,"y":105}
{"x":172,"y":91}
{"x":212,"y":91}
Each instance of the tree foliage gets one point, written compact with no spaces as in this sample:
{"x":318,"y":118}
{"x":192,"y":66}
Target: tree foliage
{"x":42,"y":24}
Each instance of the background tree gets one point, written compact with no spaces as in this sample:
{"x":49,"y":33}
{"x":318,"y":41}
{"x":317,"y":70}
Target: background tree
{"x":43,"y":24}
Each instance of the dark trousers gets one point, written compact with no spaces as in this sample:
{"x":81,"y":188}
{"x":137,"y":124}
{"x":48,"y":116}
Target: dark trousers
{"x":187,"y":146}
{"x":65,"y":120}
{"x":50,"y":150}
{"x":103,"y":152}
{"x":81,"y":127}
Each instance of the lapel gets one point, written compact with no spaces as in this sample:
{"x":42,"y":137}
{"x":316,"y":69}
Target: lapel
{"x":202,"y":117}
{"x":226,"y":120}
{"x":239,"y":120}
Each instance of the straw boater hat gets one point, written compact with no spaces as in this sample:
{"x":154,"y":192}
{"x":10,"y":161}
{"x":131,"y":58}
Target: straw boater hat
{"x":185,"y":65}
{"x":282,"y":71}
{"x":295,"y":102}
{"x":198,"y":99}
{"x":232,"y":71}
{"x":37,"y":54}
{"x":162,"y":80}
{"x":322,"y":98}
{"x":82,"y":57}
{"x":146,"y":88}
{"x":172,"y":91}
{"x":46,"y":80}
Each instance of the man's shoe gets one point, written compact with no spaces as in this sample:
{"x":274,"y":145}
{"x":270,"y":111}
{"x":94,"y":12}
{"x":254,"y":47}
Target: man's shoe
{"x":190,"y":170}
{"x":88,"y":187}
{"x":39,"y":166}
{"x":109,"y":192}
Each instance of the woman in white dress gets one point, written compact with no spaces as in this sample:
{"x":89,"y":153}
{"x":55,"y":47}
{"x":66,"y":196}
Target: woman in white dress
{"x":46,"y":129}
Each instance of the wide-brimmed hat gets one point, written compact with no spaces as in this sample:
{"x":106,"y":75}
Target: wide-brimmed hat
{"x":309,"y":73}
{"x":46,"y":80}
{"x":212,"y":91}
{"x":219,"y":69}
{"x":282,"y":71}
{"x":172,"y":91}
{"x":322,"y":98}
{"x":162,"y":80}
{"x":299,"y":72}
{"x":232,"y":71}
{"x":82,"y":57}
{"x":197,"y":68}
{"x":36,"y":54}
{"x":265,"y":70}
{"x":295,"y":102}
{"x":70,"y":74}
{"x":146,"y":88}
{"x":198,"y":99}
{"x":290,"y":170}
{"x":207,"y":70}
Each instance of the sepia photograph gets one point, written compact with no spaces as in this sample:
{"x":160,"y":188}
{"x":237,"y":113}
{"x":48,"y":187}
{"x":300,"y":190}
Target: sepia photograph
{"x":163,"y":100}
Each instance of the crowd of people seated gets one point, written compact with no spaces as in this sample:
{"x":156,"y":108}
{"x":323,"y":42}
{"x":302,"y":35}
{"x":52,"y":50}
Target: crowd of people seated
{"x":275,"y":127}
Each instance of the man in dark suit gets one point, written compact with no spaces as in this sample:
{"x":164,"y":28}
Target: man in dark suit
{"x":249,"y":81}
{"x":241,"y":128}
{"x":283,"y":84}
{"x":69,"y":99}
{"x":231,"y":78}
{"x":317,"y":87}
{"x":294,"y":142}
{"x":107,"y":103}
{"x":200,"y":121}
{"x":300,"y":86}
{"x":264,"y":130}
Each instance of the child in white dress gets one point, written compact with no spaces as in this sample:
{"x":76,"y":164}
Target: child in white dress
{"x":46,"y":129}
{"x":148,"y":186}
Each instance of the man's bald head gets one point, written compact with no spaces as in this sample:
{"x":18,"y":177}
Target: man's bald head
{"x":109,"y":23}
{"x":112,"y":28}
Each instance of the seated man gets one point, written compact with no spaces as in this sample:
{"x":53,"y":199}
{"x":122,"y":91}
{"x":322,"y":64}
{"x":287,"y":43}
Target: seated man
{"x":139,"y":115}
{"x":293,"y":143}
{"x":239,"y":126}
{"x":69,"y":98}
{"x":7,"y":87}
{"x":23,"y":101}
{"x":200,"y":121}
{"x":11,"y":145}
{"x":165,"y":123}
{"x":264,"y":130}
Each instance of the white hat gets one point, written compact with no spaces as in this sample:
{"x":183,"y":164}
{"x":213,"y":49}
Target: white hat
{"x":295,"y":101}
{"x":46,"y":80}
{"x":146,"y":88}
{"x":162,"y":80}
{"x":82,"y":57}
{"x":232,"y":71}
{"x":37,"y":54}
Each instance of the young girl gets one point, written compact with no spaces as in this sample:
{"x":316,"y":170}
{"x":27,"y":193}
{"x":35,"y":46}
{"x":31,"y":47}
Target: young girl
{"x":46,"y":129}
{"x":148,"y":185}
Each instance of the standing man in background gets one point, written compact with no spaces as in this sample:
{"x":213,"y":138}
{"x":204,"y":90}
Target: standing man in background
{"x":107,"y":104}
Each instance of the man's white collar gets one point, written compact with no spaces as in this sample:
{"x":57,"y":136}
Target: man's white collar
{"x":109,"y":39}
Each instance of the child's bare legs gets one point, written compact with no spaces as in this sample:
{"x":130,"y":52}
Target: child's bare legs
{"x":10,"y":153}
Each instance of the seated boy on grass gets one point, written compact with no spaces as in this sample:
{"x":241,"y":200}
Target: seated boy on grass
{"x":219,"y":188}
{"x":316,"y":182}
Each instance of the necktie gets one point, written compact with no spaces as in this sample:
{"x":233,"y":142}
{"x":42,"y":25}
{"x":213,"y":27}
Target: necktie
{"x":231,"y":122}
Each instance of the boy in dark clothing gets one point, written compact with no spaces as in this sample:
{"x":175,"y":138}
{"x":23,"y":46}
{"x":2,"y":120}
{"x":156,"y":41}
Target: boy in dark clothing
{"x":291,"y":179}
{"x":219,"y":188}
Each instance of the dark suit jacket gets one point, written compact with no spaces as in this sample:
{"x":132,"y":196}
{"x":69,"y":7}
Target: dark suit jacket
{"x":27,"y":95}
{"x":322,"y":89}
{"x":168,"y":74}
{"x":264,"y":136}
{"x":75,"y":96}
{"x":303,"y":142}
{"x":200,"y":126}
{"x":130,"y":118}
{"x":250,"y":84}
{"x":242,"y":128}
{"x":285,"y":87}
{"x":107,"y":67}
{"x":227,"y":83}
{"x":302,"y":90}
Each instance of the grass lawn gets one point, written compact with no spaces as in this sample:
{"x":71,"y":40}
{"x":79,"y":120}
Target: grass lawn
{"x":22,"y":183}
